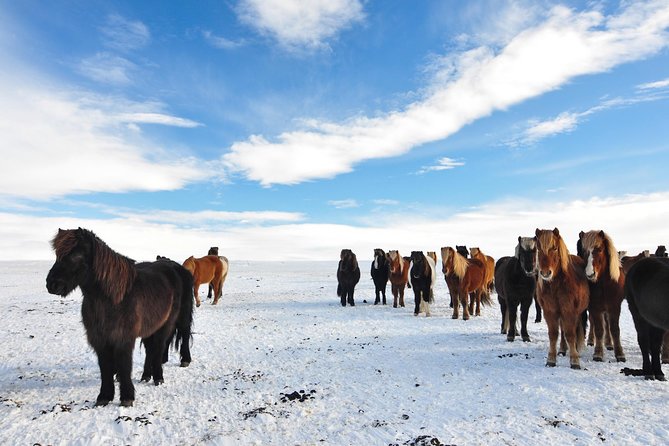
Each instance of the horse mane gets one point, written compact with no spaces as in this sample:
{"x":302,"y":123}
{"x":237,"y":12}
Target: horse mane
{"x":545,"y":238}
{"x":460,"y":264}
{"x":593,"y":239}
{"x":115,"y":273}
{"x":526,"y":243}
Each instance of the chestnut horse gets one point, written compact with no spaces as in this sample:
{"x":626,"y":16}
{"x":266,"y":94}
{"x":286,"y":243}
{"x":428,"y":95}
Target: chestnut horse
{"x":399,"y":276}
{"x":607,"y":282}
{"x":207,"y":269}
{"x":489,"y":262}
{"x":226,"y":268}
{"x":123,"y":301}
{"x":563,"y":292}
{"x":467,"y":276}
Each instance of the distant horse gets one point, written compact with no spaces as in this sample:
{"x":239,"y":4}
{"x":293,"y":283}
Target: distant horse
{"x":489,"y":262}
{"x":207,"y":269}
{"x":468,"y":276}
{"x":124,"y":300}
{"x":423,"y":277}
{"x":607,"y":281}
{"x":661,"y":251}
{"x":515,"y":281}
{"x":432,"y":255}
{"x":399,"y":276}
{"x":462,"y":250}
{"x":647,"y":292}
{"x":348,"y":276}
{"x":226,"y":268}
{"x":628,"y":261}
{"x":451,"y":279}
{"x":380,"y":274}
{"x":563,"y":292}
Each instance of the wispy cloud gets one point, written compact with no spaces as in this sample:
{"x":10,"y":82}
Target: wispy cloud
{"x":107,"y":68}
{"x":208,"y":217}
{"x":222,"y":42}
{"x":386,"y":202}
{"x":344,"y":204}
{"x":157,"y":118}
{"x":479,"y":82}
{"x":654,"y":85}
{"x":124,"y":35}
{"x":298,"y":25}
{"x":442,"y":164}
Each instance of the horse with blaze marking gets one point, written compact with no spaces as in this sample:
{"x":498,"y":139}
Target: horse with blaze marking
{"x":399,"y":276}
{"x":380,"y":273}
{"x":563,"y":292}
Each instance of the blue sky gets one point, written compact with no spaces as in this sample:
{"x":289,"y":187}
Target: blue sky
{"x":292,"y":129}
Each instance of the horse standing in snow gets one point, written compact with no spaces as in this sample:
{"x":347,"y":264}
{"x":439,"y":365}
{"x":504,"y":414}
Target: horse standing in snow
{"x":348,"y":276}
{"x":380,"y":274}
{"x":399,"y":276}
{"x":423,"y":277}
{"x":124,"y":300}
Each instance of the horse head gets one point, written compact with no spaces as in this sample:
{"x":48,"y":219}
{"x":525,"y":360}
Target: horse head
{"x":379,"y":257}
{"x":526,"y":253}
{"x":552,"y":253}
{"x":347,"y":260}
{"x":598,"y":252}
{"x":419,"y":264}
{"x":395,"y":261}
{"x":462,"y":250}
{"x":213,"y":251}
{"x":447,"y":259}
{"x":73,"y":259}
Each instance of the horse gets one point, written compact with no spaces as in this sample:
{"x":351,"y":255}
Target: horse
{"x":226,"y":267}
{"x":489,"y":262}
{"x":124,"y":300}
{"x":607,"y":281}
{"x":563,"y":292}
{"x":208,"y":269}
{"x":348,"y":276}
{"x":647,"y":292}
{"x":661,"y":251}
{"x":380,"y":272}
{"x":515,"y":280}
{"x":398,"y":275}
{"x":423,"y":277}
{"x":628,"y":261}
{"x":467,"y":276}
{"x":462,"y":250}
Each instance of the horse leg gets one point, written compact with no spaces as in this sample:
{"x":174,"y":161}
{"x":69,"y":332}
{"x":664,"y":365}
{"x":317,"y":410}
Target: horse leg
{"x":383,"y":291}
{"x":350,"y":300}
{"x":569,"y":327}
{"x":427,"y":302}
{"x":455,"y":303}
{"x":608,"y":333}
{"x":465,"y":307}
{"x":597,"y":322}
{"x":478,"y":301}
{"x":211,"y":288}
{"x":656,"y":335}
{"x":196,"y":288}
{"x":563,"y":341}
{"x":471,"y":303}
{"x":512,"y":309}
{"x":402,"y":296}
{"x":123,"y":360}
{"x":149,"y":349}
{"x":504,"y":309}
{"x":553,"y":331}
{"x":217,"y":291}
{"x":107,"y":369}
{"x":614,"y":326}
{"x":537,"y":309}
{"x":591,"y":332}
{"x":524,"y":314}
{"x":416,"y":299}
{"x":665,"y":348}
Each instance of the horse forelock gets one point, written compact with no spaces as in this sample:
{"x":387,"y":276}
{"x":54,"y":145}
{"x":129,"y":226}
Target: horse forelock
{"x":594,"y":239}
{"x":64,"y":242}
{"x":547,"y":239}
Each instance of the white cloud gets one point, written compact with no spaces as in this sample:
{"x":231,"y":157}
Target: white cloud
{"x":537,"y":60}
{"x":222,"y":42}
{"x":654,"y":85}
{"x":386,"y":202}
{"x":203,"y":218}
{"x":565,"y":122}
{"x":122,"y":34}
{"x":344,"y":204}
{"x":635,"y":222}
{"x":442,"y":164}
{"x":297,"y":24}
{"x":58,"y":143}
{"x":107,"y":68}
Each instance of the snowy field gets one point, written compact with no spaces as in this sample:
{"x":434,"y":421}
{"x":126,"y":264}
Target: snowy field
{"x":368,"y":375}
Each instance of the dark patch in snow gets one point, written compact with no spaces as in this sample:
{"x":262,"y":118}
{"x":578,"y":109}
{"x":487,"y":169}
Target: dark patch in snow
{"x":511,"y":355}
{"x":423,"y":440}
{"x":300,"y":396}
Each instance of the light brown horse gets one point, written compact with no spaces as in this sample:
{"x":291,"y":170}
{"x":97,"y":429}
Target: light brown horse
{"x":207,"y":269}
{"x":399,"y":276}
{"x":562,"y":291}
{"x":607,"y":283}
{"x":489,"y":262}
{"x":467,"y":276}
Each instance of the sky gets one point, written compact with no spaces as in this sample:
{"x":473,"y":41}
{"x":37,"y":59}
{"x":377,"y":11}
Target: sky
{"x":288,"y":130}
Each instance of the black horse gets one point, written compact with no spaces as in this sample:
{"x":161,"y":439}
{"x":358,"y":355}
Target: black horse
{"x":647,"y":293}
{"x":124,"y":300}
{"x":515,"y":279}
{"x":348,"y":276}
{"x":380,"y":274}
{"x":213,"y":251}
{"x":422,"y":281}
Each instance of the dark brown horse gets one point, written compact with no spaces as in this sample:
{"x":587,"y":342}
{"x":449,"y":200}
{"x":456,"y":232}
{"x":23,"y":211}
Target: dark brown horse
{"x":124,"y":300}
{"x":422,"y":281}
{"x":607,"y":282}
{"x":399,"y":276}
{"x":348,"y":276}
{"x":563,"y":292}
{"x":467,"y":276}
{"x":208,"y":269}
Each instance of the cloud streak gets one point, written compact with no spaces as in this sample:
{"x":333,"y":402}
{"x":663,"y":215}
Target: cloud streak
{"x":442,"y":164}
{"x":477,"y":83}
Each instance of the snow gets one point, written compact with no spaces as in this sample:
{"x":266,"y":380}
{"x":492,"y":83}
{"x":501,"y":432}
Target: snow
{"x":367,"y":375}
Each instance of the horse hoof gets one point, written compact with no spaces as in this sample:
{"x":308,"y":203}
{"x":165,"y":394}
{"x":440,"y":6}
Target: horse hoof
{"x":660,"y":378}
{"x":649,"y":377}
{"x":455,"y":316}
{"x":609,"y":348}
{"x":550,"y":364}
{"x":101,"y":403}
{"x":576,"y":366}
{"x":598,"y":359}
{"x":510,"y":338}
{"x":197,"y":304}
{"x":536,"y":321}
{"x":127,"y":403}
{"x":527,"y":339}
{"x":158,"y":382}
{"x":621,"y":359}
{"x":562,"y":353}
{"x":184,"y":364}
{"x":415,"y":314}
{"x":145,"y":379}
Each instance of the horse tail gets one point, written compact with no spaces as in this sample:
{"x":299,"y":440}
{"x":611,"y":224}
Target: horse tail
{"x":224,"y":274}
{"x":339,"y":291}
{"x":184,"y":325}
{"x":485,"y":297}
{"x":506,"y":320}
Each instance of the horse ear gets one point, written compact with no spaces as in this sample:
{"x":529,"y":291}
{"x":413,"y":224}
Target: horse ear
{"x":601,"y":234}
{"x":519,"y":239}
{"x":536,"y":233}
{"x":556,"y":231}
{"x":581,"y":234}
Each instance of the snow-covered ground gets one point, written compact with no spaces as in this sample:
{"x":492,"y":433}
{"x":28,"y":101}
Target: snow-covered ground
{"x":368,"y":375}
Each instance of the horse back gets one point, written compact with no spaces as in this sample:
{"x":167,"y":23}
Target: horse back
{"x":647,"y":288}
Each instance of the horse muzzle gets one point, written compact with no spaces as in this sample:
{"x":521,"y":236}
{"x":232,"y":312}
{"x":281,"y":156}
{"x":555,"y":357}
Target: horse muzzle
{"x":546,"y":275}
